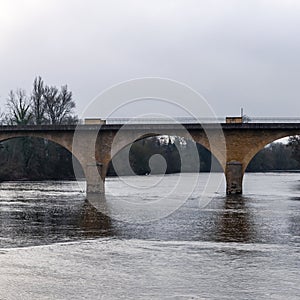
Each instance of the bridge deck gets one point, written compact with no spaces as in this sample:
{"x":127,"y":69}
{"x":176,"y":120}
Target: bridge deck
{"x":189,"y":126}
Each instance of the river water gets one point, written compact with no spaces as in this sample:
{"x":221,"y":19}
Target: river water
{"x":55,"y":245}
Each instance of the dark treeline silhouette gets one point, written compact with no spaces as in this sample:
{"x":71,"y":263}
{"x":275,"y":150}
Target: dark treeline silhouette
{"x":275,"y":157}
{"x":294,"y":145}
{"x":170,"y":148}
{"x":34,"y":159}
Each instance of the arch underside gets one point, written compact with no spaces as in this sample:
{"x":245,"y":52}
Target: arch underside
{"x":261,"y":144}
{"x":118,"y":148}
{"x":241,"y":148}
{"x":63,"y":142}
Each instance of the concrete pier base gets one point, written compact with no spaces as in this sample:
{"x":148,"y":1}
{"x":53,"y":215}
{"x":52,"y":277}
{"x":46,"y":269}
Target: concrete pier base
{"x":234,"y":178}
{"x":94,"y":181}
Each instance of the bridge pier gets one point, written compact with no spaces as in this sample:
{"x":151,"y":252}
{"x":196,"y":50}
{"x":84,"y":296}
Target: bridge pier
{"x":234,"y":178}
{"x":94,"y":182}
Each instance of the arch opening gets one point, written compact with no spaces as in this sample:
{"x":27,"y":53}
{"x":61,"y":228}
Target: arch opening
{"x":279,"y":155}
{"x":141,"y":151}
{"x":36,"y":159}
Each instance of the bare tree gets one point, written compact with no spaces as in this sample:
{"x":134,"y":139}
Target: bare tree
{"x":51,"y":95}
{"x":46,"y":105}
{"x":3,"y":118}
{"x":38,"y":101}
{"x":66,"y":104}
{"x":59,"y":105}
{"x":19,"y":108}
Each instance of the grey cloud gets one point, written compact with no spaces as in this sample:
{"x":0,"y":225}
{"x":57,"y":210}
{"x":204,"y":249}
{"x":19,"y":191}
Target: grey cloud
{"x":236,"y":53}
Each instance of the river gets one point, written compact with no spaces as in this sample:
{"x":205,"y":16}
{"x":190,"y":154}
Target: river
{"x":55,"y":245}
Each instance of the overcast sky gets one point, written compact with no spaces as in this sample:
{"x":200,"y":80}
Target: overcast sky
{"x":235,"y":53}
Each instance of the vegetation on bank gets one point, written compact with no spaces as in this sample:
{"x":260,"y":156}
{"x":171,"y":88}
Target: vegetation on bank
{"x":39,"y":159}
{"x":277,"y":157}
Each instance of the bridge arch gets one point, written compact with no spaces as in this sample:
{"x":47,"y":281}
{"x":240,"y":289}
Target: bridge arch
{"x":53,"y":138}
{"x":217,"y":164}
{"x":260,"y":149}
{"x":262,"y":144}
{"x":243,"y":146}
{"x":64,"y":143}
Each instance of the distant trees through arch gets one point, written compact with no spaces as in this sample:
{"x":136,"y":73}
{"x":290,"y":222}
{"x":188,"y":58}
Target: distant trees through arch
{"x":141,"y":151}
{"x":277,"y":156}
{"x":30,"y":158}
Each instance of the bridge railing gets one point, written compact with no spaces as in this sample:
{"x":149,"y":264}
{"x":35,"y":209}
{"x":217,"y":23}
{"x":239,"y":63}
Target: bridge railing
{"x":181,"y":120}
{"x":190,"y":120}
{"x":274,"y":120}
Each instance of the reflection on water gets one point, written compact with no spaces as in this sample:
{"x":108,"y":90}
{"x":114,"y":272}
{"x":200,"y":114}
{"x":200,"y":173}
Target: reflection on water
{"x":36,"y":213}
{"x":235,"y":224}
{"x":94,"y":223}
{"x":237,"y":247}
{"x":47,"y":212}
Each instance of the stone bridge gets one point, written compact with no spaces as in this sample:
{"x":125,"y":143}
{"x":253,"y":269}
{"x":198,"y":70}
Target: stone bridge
{"x":234,"y":145}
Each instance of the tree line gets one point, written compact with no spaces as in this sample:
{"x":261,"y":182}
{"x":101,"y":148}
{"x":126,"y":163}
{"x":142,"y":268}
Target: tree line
{"x":44,"y":105}
{"x":39,"y":159}
{"x":172,"y":148}
{"x":276,"y":157}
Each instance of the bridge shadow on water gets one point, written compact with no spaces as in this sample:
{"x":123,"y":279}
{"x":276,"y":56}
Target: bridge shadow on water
{"x":94,"y":223}
{"x":235,"y":221}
